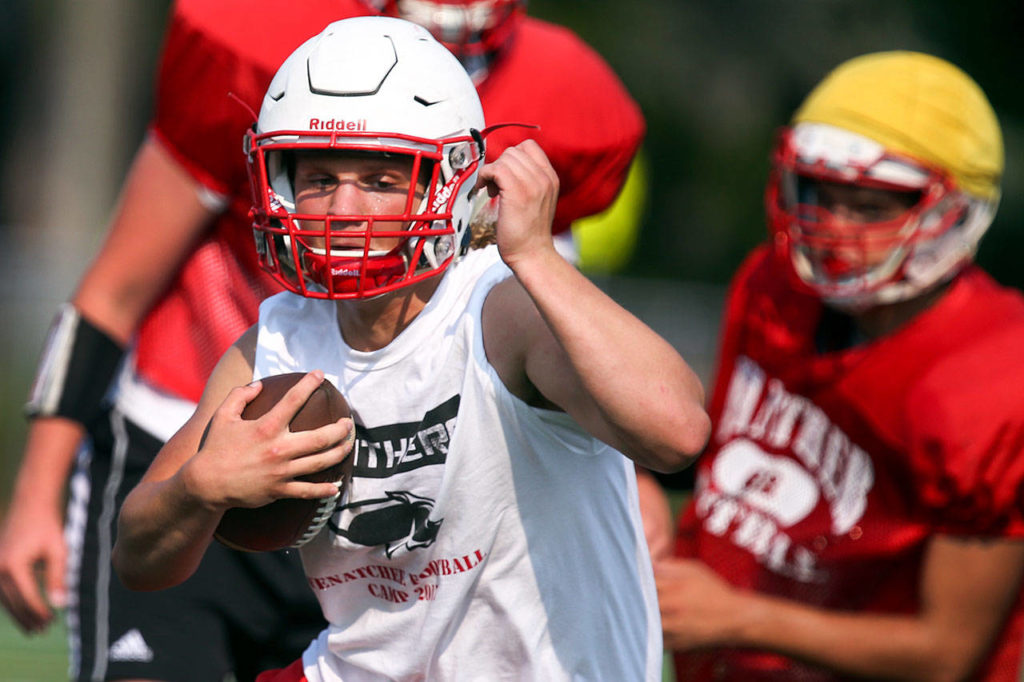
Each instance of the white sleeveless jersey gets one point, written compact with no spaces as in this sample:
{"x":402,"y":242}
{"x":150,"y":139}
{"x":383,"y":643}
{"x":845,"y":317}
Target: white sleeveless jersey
{"x":480,"y":539}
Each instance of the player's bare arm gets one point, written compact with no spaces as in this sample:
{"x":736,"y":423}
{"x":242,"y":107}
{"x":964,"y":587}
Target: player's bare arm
{"x":968,"y":586}
{"x":578,"y":348}
{"x":168,"y":520}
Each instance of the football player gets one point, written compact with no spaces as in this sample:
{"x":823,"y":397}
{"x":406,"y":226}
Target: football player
{"x":497,"y":387}
{"x":174,"y":284}
{"x":858,"y":511}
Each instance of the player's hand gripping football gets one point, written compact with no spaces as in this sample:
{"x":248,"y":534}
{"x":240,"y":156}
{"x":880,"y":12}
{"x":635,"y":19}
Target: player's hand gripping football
{"x":250,"y":463}
{"x":527,"y":187}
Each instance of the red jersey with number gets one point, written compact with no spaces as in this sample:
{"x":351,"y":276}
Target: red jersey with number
{"x":219,"y":54}
{"x":828,"y":472}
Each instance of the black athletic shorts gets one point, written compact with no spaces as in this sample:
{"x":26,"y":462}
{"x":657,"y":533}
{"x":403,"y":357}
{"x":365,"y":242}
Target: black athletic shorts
{"x":240,"y":612}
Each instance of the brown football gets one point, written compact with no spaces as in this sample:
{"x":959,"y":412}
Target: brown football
{"x":289,"y":522}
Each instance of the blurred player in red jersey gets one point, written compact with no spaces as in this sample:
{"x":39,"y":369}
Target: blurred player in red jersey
{"x":858,"y":512}
{"x":177,"y":281}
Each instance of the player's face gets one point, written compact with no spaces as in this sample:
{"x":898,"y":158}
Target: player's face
{"x":355,"y":187}
{"x":852,"y":204}
{"x":859,"y":224}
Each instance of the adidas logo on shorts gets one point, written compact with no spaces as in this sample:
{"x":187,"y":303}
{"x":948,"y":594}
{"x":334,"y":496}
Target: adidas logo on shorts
{"x":131,"y":647}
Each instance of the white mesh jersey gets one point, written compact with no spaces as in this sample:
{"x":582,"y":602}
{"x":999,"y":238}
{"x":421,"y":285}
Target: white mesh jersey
{"x":480,"y":539}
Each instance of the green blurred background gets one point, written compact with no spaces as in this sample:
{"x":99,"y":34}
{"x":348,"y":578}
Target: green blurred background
{"x":714,"y":78}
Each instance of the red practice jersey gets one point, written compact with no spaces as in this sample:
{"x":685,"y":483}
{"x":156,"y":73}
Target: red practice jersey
{"x":219,"y":54}
{"x":827,"y":473}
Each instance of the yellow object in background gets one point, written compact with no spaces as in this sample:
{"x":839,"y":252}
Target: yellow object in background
{"x":605,"y":241}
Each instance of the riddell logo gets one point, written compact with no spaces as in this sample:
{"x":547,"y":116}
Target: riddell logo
{"x":337,"y":124}
{"x":442,"y":197}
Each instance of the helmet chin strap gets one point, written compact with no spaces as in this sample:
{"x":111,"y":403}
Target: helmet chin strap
{"x":343,"y":274}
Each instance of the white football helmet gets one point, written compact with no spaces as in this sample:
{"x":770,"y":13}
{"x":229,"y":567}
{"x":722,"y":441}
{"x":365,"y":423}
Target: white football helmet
{"x":374,"y":85}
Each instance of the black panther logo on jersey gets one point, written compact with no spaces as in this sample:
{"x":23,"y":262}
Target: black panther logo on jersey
{"x":384,"y":451}
{"x":400,"y":519}
{"x":392,"y":518}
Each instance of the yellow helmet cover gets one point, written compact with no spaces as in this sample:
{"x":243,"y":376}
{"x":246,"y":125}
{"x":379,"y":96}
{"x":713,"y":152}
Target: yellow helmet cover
{"x":917,"y":105}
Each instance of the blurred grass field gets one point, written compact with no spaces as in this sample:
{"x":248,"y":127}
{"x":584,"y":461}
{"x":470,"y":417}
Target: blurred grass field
{"x":36,"y":658}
